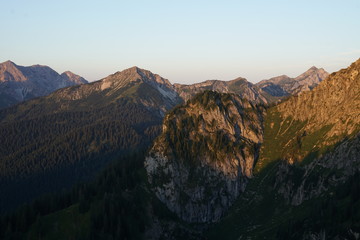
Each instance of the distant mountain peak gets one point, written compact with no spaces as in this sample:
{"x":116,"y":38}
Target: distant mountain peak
{"x":134,"y":74}
{"x":239,"y":79}
{"x":313,"y":68}
{"x":8,"y":65}
{"x":20,"y":83}
{"x":72,"y":77}
{"x":68,"y":73}
{"x":9,"y":72}
{"x":284,"y":86}
{"x":135,"y":68}
{"x":8,"y":62}
{"x":314,"y":75}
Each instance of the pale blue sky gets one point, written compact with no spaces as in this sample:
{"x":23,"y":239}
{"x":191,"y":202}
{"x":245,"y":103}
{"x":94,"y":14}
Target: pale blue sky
{"x":184,"y":41}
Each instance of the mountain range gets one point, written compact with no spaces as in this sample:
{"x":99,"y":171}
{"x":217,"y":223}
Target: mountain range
{"x":283,"y":85}
{"x":19,"y":83}
{"x":232,"y":160}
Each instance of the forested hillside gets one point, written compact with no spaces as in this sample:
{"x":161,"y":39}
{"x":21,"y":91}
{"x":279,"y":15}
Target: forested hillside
{"x":53,"y":142}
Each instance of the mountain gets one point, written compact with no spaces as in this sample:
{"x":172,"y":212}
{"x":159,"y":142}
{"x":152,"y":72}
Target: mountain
{"x":135,"y":84}
{"x":200,"y":163}
{"x":315,"y":120}
{"x":264,"y":92}
{"x":222,"y":167}
{"x":18,"y":83}
{"x":283,"y":85}
{"x":72,"y":133}
{"x":308,"y":168}
{"x":240,"y":86}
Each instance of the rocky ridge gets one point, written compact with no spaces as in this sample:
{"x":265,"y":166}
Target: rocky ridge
{"x":240,"y":86}
{"x":283,"y":85}
{"x":307,"y":124}
{"x":200,"y":163}
{"x":18,"y":83}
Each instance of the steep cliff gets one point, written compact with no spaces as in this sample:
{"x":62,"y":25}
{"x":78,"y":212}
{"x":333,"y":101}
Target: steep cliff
{"x":200,"y":163}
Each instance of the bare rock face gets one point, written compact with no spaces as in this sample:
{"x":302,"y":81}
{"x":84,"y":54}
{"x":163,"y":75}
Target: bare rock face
{"x":283,"y":85}
{"x":18,"y":83}
{"x":200,"y":163}
{"x":240,"y":86}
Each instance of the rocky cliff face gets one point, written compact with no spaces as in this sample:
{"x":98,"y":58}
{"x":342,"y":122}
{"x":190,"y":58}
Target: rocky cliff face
{"x":240,"y":86}
{"x":282,"y":86}
{"x":18,"y":83}
{"x":200,"y":163}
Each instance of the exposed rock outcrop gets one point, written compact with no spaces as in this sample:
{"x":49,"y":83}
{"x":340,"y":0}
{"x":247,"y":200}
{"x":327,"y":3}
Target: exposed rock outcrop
{"x":200,"y":163}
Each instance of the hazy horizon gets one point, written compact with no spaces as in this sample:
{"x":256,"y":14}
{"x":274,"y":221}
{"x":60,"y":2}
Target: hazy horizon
{"x":185,"y":42}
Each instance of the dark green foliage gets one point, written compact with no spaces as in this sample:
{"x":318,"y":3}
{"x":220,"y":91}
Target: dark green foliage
{"x":46,"y":151}
{"x":334,"y":216}
{"x":119,"y":210}
{"x":262,"y":213}
{"x":286,"y":139}
{"x":116,"y":203}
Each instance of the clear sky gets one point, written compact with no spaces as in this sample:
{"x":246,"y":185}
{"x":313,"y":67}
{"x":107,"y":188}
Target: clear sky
{"x":184,"y":41}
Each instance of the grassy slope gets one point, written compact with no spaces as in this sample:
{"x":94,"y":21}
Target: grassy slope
{"x":287,"y":139}
{"x":260,"y":212}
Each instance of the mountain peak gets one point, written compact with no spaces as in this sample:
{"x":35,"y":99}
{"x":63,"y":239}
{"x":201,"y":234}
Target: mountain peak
{"x":72,"y":77}
{"x":313,"y":72}
{"x":239,"y":79}
{"x":313,"y":68}
{"x":19,"y":83}
{"x":9,"y":71}
{"x":8,"y":62}
{"x":134,"y":68}
{"x":135,"y":74}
